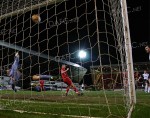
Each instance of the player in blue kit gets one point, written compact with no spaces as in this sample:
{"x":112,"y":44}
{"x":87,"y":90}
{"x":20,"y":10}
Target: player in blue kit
{"x":13,"y":73}
{"x":44,"y":77}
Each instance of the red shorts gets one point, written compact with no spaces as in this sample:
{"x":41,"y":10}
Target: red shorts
{"x":67,"y":80}
{"x":42,"y":85}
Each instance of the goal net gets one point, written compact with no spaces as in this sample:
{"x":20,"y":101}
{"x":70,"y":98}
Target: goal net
{"x":99,"y":28}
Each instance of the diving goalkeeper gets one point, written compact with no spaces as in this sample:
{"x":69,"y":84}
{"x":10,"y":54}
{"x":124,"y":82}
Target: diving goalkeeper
{"x":13,"y":73}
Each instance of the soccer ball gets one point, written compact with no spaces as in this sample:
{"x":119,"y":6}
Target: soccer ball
{"x":36,"y":18}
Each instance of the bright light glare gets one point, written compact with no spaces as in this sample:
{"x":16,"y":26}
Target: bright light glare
{"x":76,"y":65}
{"x":82,"y":54}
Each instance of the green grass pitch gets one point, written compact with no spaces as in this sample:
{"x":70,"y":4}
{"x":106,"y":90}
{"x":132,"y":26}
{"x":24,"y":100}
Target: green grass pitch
{"x":53,"y":104}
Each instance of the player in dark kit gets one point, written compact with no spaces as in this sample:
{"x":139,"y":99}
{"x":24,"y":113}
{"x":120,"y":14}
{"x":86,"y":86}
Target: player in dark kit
{"x":147,"y":49}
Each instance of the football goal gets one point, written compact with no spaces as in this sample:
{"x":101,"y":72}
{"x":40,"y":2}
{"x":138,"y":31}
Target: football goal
{"x":47,"y":34}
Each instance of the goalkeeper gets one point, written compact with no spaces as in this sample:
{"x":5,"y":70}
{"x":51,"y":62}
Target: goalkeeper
{"x":13,"y":73}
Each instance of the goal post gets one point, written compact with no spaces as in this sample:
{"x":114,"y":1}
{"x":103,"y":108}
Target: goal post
{"x":128,"y":49}
{"x":129,"y":58}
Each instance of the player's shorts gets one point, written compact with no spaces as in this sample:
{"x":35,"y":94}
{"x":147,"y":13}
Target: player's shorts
{"x":146,"y":81}
{"x":67,"y":80}
{"x":15,"y":74}
{"x":42,"y":86}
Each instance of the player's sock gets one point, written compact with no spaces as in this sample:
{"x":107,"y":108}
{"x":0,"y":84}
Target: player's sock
{"x":75,"y":89}
{"x":148,"y":89}
{"x":15,"y":90}
{"x":67,"y":90}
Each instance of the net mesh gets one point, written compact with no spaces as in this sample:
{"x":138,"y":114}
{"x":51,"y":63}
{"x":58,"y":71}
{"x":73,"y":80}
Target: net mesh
{"x":66,"y":27}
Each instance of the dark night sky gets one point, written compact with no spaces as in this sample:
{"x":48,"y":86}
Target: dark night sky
{"x":139,"y":28}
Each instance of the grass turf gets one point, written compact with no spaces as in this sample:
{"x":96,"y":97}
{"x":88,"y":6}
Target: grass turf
{"x":52,"y":104}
